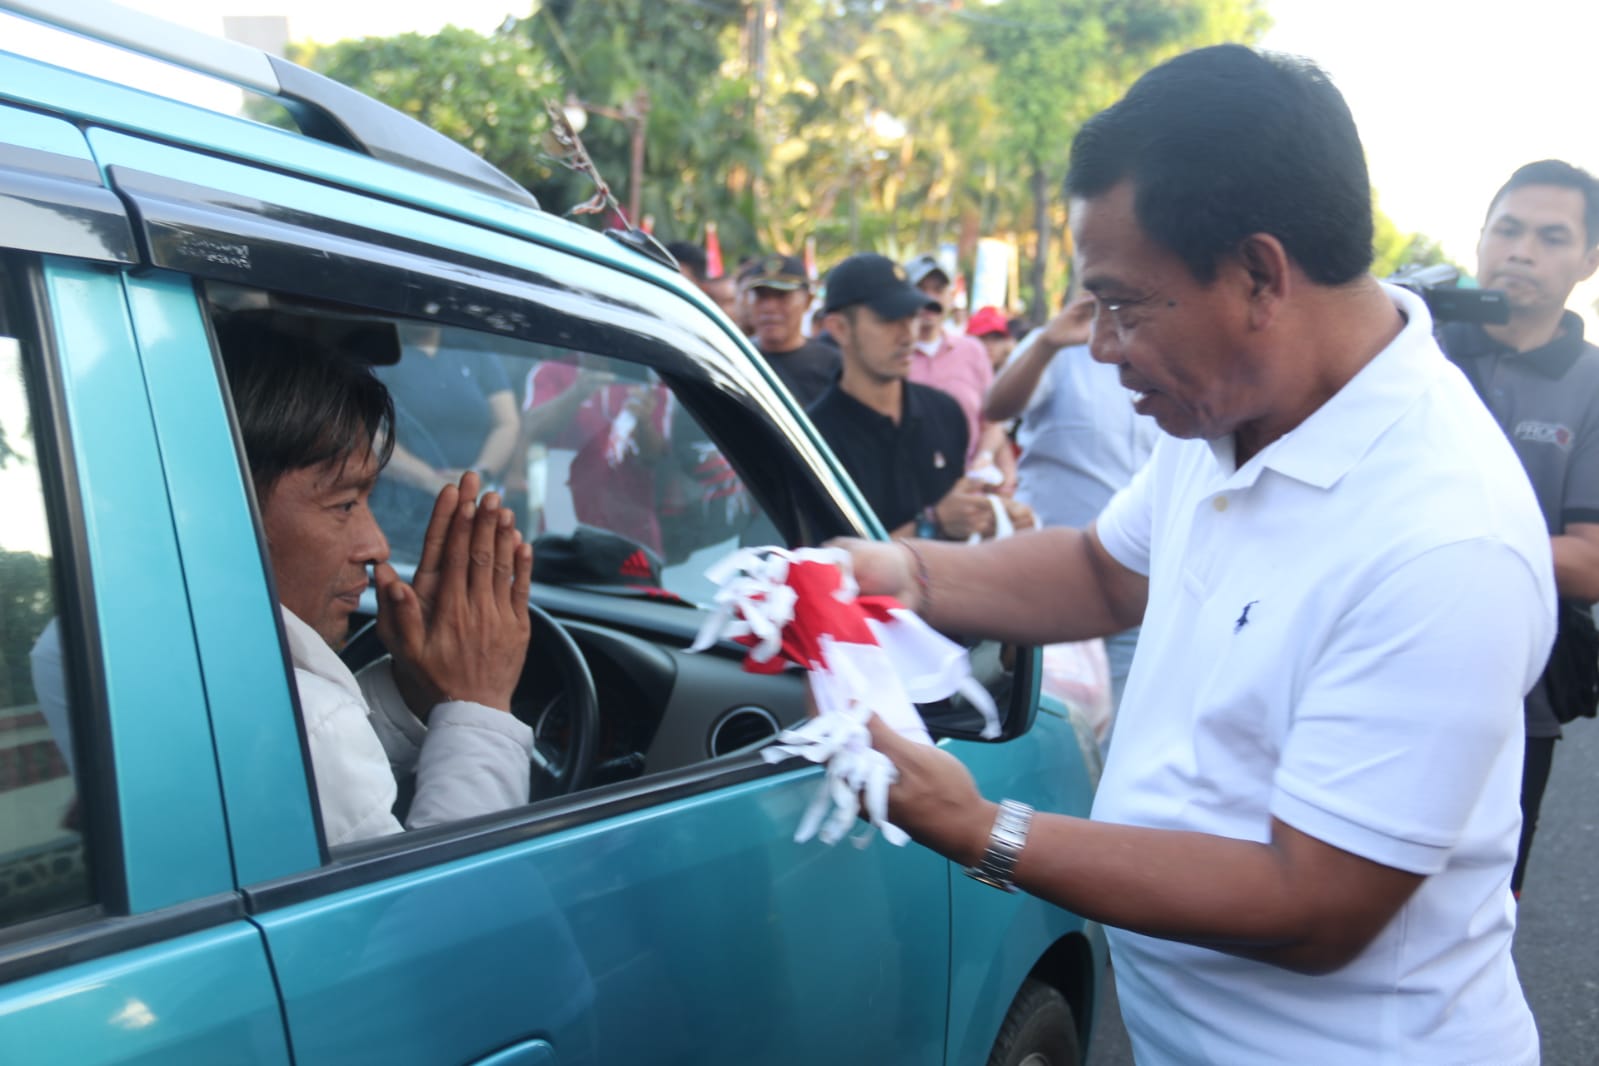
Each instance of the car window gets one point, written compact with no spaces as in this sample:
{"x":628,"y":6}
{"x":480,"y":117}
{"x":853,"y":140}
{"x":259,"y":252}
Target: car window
{"x":42,"y":852}
{"x":625,"y":495}
{"x":599,"y":458}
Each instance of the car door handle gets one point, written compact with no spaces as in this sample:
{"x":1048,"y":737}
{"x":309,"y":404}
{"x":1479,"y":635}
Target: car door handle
{"x":527,"y":1053}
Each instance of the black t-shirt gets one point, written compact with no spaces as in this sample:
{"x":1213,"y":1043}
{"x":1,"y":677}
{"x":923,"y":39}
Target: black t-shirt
{"x":900,"y":468}
{"x":808,"y":370}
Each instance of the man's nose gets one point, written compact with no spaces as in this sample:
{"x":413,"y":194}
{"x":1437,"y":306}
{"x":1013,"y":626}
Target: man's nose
{"x":372,"y":546}
{"x":1104,"y":345}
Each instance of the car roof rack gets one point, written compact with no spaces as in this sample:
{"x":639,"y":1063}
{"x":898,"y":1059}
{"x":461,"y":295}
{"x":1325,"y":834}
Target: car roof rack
{"x":324,"y":109}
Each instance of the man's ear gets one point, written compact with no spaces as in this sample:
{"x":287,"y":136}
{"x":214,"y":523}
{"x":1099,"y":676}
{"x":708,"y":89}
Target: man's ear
{"x":833,"y":322}
{"x":1590,"y":263}
{"x":1264,"y":273}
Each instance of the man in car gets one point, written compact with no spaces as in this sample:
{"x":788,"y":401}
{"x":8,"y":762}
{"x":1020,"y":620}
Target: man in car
{"x":316,"y":428}
{"x":1540,"y":379}
{"x":777,"y":294}
{"x":1302,"y":842}
{"x":904,"y":444}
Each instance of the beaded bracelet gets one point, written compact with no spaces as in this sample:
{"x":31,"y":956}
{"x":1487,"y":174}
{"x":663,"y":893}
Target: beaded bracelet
{"x":924,"y":580}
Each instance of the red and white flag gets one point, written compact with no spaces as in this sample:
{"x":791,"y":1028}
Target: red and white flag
{"x":864,"y":655}
{"x":713,"y":252}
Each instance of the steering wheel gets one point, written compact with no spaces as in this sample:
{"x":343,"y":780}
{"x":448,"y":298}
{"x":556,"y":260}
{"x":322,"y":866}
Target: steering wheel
{"x":555,"y":696}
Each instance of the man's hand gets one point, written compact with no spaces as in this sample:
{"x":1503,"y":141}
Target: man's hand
{"x":461,"y":632}
{"x":1021,"y":516}
{"x":1071,"y":324}
{"x":882,"y":569}
{"x":964,"y":511}
{"x":935,"y":799}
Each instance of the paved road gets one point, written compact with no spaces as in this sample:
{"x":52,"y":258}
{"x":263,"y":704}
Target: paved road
{"x":1557,"y":944}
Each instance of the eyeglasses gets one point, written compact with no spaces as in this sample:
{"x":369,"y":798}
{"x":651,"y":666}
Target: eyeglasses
{"x":1123,"y":314}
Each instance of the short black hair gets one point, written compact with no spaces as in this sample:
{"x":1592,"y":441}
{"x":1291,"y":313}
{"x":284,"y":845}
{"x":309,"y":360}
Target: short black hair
{"x":299,"y":403}
{"x":1224,"y":142}
{"x":1562,"y":175}
{"x":692,"y":256}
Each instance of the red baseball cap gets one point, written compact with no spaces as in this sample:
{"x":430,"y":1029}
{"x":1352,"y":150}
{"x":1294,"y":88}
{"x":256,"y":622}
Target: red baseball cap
{"x":987,"y":320}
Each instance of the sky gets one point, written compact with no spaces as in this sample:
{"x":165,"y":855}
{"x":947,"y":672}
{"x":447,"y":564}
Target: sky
{"x":1450,"y":95}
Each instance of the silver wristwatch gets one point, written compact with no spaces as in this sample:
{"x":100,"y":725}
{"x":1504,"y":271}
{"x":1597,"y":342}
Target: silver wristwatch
{"x":1004,"y":846}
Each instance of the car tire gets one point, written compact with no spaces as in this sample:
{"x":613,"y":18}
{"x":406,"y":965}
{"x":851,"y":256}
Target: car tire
{"x":1038,"y":1030}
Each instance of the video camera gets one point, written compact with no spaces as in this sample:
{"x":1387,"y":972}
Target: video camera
{"x":1439,"y":285}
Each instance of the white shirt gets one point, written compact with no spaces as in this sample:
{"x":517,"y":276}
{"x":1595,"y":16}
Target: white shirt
{"x":1339,"y":635}
{"x":468,"y":759}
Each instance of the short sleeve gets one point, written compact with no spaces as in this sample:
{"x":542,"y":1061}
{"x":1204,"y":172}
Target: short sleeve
{"x":1125,"y":526}
{"x":1580,"y":499}
{"x":1413,"y":701}
{"x":489,"y":373}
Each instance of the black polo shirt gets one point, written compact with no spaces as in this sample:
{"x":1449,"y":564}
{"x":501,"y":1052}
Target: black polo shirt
{"x":1547,"y":402}
{"x":900,"y":468}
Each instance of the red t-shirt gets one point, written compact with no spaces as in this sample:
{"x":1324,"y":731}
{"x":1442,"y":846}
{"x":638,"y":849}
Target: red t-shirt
{"x":612,"y":484}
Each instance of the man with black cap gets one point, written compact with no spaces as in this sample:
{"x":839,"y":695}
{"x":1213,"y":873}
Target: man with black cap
{"x":903,"y":443}
{"x":777,"y":292}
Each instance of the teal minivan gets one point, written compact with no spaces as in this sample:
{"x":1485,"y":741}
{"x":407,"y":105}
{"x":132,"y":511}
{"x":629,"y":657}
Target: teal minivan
{"x":167,"y":894}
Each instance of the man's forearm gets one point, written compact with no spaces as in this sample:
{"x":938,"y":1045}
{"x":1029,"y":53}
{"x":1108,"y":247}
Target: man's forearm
{"x":501,"y":443}
{"x":1576,"y":566}
{"x":1016,"y":383}
{"x":1236,"y":896}
{"x":1039,"y":587}
{"x":499,"y":448}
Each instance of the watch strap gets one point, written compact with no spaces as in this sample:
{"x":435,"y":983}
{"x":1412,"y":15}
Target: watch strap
{"x":1005,"y":843}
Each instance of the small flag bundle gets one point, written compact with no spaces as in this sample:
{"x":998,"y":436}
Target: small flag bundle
{"x":864,"y":655}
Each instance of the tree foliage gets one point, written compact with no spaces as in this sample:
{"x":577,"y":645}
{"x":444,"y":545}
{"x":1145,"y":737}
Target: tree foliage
{"x":486,"y":93}
{"x":890,"y":125}
{"x":700,"y":147}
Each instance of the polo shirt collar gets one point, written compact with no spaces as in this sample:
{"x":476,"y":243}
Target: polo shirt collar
{"x":911,"y":406}
{"x":1467,"y":340}
{"x":1327,"y":445}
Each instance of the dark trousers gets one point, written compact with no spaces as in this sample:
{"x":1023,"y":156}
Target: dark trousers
{"x":1534,"y":776}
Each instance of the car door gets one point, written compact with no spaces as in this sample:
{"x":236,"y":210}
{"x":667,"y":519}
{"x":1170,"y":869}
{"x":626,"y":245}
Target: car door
{"x":666,"y":918}
{"x":122,"y":935}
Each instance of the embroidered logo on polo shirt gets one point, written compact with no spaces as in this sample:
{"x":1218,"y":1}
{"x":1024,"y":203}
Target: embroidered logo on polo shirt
{"x":938,"y":460}
{"x":1544,"y":433}
{"x":1243,"y":617}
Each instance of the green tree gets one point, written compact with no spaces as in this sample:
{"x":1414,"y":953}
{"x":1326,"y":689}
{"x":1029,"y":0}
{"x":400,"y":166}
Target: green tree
{"x":1394,"y":249}
{"x":27,"y":604}
{"x":1061,"y":61}
{"x":486,"y":93}
{"x":875,"y":130}
{"x":700,"y":147}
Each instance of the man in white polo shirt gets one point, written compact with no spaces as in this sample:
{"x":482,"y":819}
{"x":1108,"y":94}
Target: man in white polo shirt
{"x":1303,"y":839}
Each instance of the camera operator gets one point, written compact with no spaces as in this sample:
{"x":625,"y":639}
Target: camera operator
{"x":1541,"y":381}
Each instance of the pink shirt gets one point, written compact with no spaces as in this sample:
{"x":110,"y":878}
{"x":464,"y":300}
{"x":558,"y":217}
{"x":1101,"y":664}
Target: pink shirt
{"x":961,"y":368}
